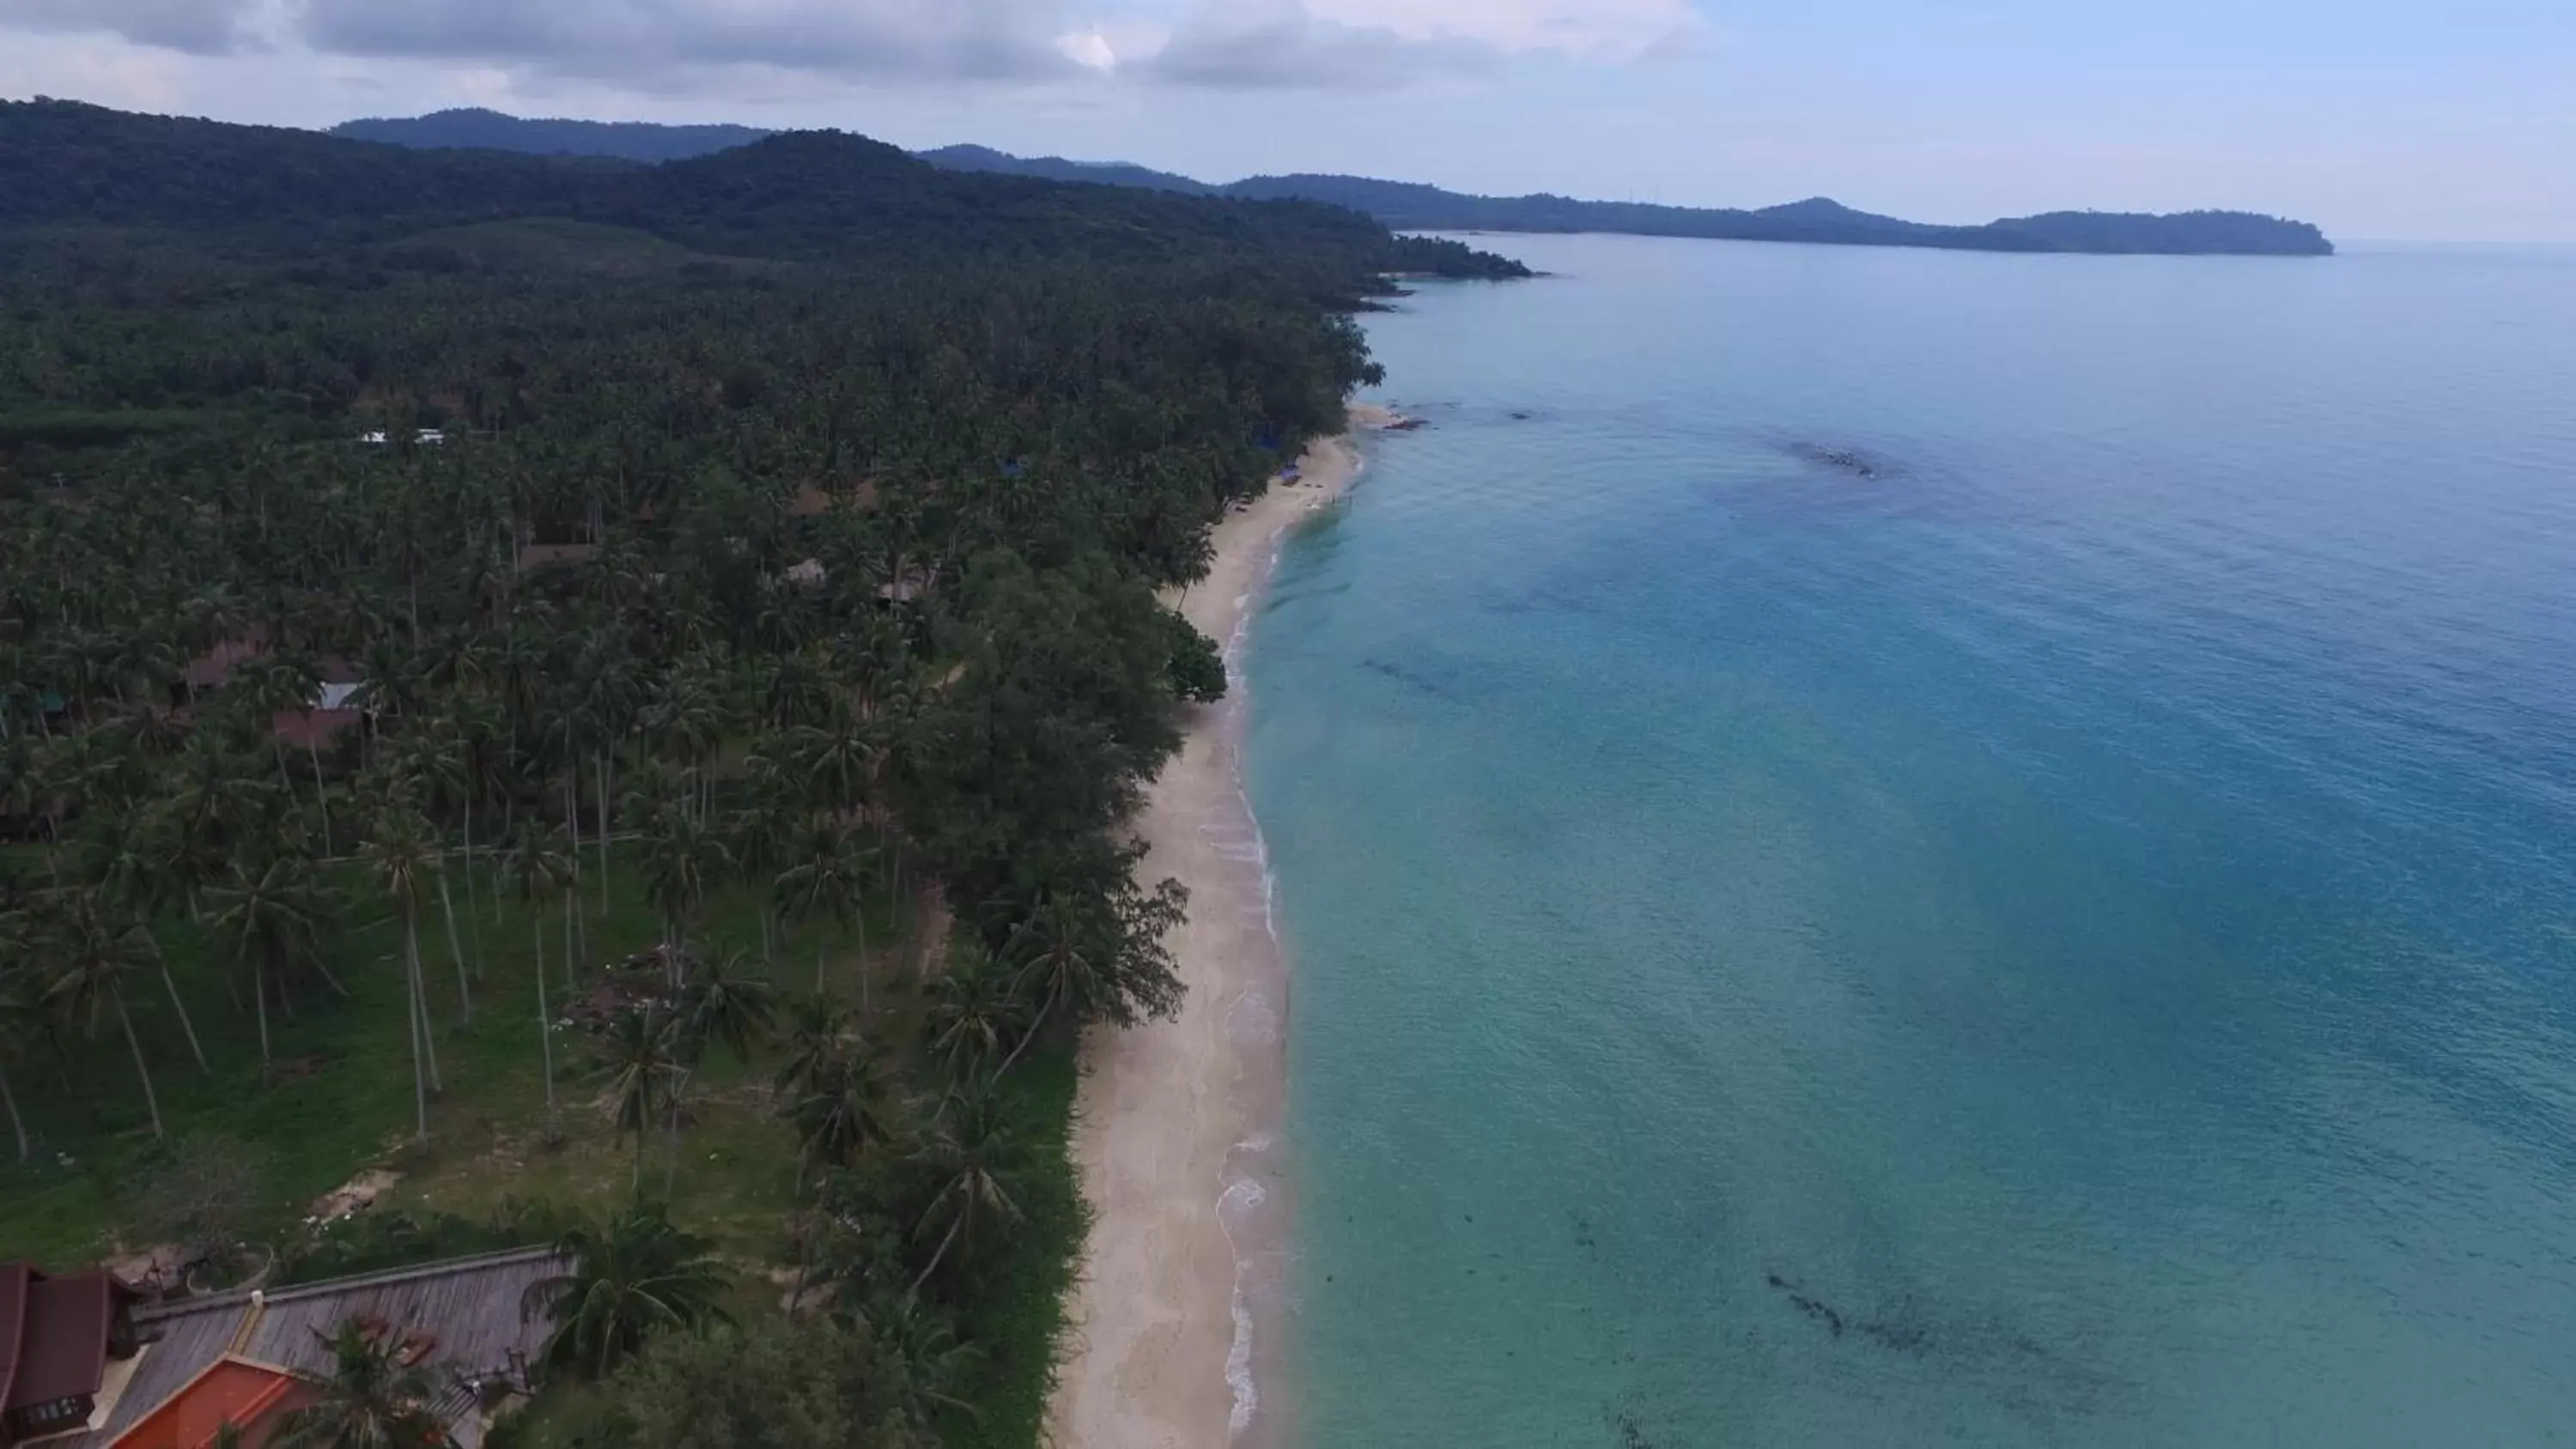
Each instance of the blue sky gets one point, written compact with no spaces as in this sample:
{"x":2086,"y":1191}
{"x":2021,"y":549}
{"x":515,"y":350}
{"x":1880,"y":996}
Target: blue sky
{"x":2373,"y":119}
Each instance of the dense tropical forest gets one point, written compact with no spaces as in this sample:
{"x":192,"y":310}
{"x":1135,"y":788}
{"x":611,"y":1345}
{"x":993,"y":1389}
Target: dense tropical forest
{"x":602,"y":699}
{"x":1416,"y":207}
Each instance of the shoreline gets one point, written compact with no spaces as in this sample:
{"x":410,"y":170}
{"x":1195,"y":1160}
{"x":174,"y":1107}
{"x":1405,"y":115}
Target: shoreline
{"x":1175,"y":1120}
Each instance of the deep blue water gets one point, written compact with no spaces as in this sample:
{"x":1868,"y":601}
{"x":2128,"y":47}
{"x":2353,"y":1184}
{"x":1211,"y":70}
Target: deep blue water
{"x":2067,"y":940}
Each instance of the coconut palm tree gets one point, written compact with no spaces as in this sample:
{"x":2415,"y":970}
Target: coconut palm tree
{"x":128,"y":857}
{"x":538,"y":872}
{"x":762,"y":833}
{"x":430,"y":762}
{"x":817,"y":1023}
{"x":827,"y":882}
{"x":724,"y":1005}
{"x":18,"y":1009}
{"x":683,"y":859}
{"x":845,"y":1105}
{"x":271,"y":919}
{"x":631,"y":1282}
{"x":644,"y":1068}
{"x":975,"y":1006}
{"x":97,"y":948}
{"x":274,"y":685}
{"x":978,"y":1158}
{"x":371,"y":1399}
{"x":1061,"y":960}
{"x":398,"y":854}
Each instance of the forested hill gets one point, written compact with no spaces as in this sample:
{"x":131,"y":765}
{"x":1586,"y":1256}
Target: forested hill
{"x":808,"y":195}
{"x":1412,"y":206}
{"x":615,"y":692}
{"x":477,"y":129}
{"x":1057,"y":168}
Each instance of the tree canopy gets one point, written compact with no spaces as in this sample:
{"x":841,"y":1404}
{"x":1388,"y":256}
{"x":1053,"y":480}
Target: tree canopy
{"x":383,"y":533}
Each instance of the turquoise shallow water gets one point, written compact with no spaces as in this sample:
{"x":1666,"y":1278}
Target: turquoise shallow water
{"x":2069,"y":939}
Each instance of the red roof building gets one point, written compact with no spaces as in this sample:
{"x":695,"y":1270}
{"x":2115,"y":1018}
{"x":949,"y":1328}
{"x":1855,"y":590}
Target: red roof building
{"x":252,"y":1398}
{"x":312,"y":729}
{"x":212,"y":669}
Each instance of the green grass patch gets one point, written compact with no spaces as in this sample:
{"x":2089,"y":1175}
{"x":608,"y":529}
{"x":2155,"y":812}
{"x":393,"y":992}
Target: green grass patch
{"x":342,"y":1097}
{"x":342,"y":1102}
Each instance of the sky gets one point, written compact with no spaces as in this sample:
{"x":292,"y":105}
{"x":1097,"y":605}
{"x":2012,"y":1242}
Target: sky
{"x":2374,"y":119}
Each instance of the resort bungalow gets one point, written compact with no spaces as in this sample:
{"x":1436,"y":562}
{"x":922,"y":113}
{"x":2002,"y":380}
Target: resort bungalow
{"x":335,"y":703}
{"x":173,"y":1375}
{"x":64,"y":1343}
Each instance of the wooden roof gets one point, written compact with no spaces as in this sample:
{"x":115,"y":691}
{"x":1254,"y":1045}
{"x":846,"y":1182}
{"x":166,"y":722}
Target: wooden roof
{"x":470,"y":1309}
{"x":14,"y":1281}
{"x":467,"y":1307}
{"x":60,"y":1339}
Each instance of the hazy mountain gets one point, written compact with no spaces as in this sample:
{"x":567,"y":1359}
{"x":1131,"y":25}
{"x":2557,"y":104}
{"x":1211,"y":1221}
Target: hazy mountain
{"x":798,"y":196}
{"x":1411,"y":206}
{"x":493,"y":131}
{"x":1056,"y":168}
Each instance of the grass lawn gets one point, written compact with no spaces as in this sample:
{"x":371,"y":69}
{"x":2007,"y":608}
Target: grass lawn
{"x":342,"y":1101}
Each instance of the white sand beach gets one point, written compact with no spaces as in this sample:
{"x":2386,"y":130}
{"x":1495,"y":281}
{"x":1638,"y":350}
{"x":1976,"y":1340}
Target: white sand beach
{"x":1174,"y":1116}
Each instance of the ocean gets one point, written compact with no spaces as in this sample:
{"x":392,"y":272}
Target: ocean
{"x":1893,"y":848}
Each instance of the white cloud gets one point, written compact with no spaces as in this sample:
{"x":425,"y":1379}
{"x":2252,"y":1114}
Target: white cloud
{"x":1089,"y":49}
{"x":203,"y":27}
{"x":1283,"y":44}
{"x":99,"y":69}
{"x":286,"y":54}
{"x":654,"y":41}
{"x":1604,"y":29}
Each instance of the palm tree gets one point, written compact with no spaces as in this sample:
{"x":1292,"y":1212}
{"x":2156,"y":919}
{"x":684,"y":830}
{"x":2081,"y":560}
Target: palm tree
{"x":721,"y":1004}
{"x":636,"y":1280}
{"x":131,"y":860}
{"x":838,"y":759}
{"x":604,"y":715}
{"x":271,"y":920}
{"x":845,"y":1106}
{"x":1056,"y":951}
{"x":936,"y":1361}
{"x":827,"y":882}
{"x":817,"y":1024}
{"x":974,"y":1007}
{"x":468,"y":735}
{"x":684,"y":721}
{"x":537,"y":871}
{"x":272,"y":686}
{"x":397,"y":854}
{"x":761,"y":835}
{"x":977,"y":1157}
{"x":683,"y":858}
{"x":431,"y":763}
{"x":18,"y":1009}
{"x":285,"y":683}
{"x":99,"y":947}
{"x":372,"y":1399}
{"x":644,"y":1070}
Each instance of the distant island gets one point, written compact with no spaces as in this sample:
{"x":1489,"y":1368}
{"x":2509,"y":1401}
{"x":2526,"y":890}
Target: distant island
{"x":1410,"y":206}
